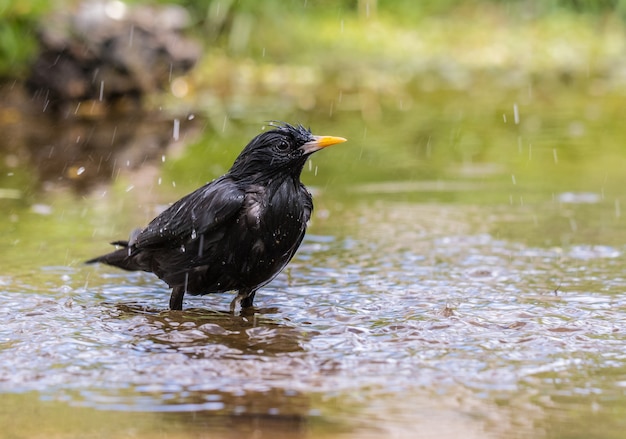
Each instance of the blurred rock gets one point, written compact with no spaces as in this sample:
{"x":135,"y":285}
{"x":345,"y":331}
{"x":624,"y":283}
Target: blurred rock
{"x":108,"y":50}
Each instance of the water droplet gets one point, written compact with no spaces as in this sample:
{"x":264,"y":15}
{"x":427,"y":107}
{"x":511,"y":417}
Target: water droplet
{"x":176,"y":131}
{"x":80,"y":170}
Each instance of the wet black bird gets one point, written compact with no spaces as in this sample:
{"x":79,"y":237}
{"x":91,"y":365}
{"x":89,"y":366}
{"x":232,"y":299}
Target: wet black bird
{"x":235,"y":233}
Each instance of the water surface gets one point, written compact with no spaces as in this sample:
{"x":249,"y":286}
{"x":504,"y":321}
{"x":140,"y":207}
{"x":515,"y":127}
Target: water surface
{"x":458,"y":318}
{"x":463,"y":275}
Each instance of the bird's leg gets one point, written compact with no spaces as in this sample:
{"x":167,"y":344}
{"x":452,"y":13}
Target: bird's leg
{"x":176,"y":299}
{"x":246,"y":302}
{"x":235,"y":302}
{"x":245,"y":297}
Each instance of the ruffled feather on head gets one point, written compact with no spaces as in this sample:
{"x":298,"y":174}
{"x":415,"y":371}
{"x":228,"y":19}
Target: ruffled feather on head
{"x":297,"y":131}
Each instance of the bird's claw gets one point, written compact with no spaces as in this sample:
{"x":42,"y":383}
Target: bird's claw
{"x":236,"y":301}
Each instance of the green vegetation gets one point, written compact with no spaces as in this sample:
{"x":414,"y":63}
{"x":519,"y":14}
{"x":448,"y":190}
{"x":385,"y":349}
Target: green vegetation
{"x":281,"y":31}
{"x":18,"y":23}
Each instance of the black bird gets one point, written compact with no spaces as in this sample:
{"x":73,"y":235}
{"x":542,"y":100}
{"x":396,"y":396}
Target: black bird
{"x":235,"y":233}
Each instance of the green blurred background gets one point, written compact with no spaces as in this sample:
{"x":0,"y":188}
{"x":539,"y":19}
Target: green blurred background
{"x":426,"y":87}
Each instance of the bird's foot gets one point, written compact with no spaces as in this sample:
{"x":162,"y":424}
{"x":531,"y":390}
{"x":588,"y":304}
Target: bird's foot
{"x":244,"y":298}
{"x":248,"y":300}
{"x":235,"y":302}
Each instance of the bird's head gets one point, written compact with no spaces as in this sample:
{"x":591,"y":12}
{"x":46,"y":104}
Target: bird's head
{"x":283,"y":149}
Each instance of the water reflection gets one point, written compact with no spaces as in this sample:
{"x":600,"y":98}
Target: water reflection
{"x":165,"y":361}
{"x":91,"y":145}
{"x":205,"y":333}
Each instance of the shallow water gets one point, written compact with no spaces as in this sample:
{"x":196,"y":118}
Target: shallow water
{"x":463,"y":276}
{"x":454,"y":318}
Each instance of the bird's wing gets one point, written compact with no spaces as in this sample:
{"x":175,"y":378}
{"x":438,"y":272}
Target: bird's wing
{"x":193,"y":215}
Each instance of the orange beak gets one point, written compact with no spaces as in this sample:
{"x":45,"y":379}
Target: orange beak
{"x":320,"y":142}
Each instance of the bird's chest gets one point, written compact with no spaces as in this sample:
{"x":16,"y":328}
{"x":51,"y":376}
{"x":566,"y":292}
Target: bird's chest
{"x":272,"y":221}
{"x":275,"y":214}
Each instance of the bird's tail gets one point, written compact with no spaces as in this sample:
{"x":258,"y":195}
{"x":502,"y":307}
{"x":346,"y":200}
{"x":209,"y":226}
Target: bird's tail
{"x":121,"y":258}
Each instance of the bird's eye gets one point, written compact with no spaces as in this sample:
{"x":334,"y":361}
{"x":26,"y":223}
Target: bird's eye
{"x":283,"y":145}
